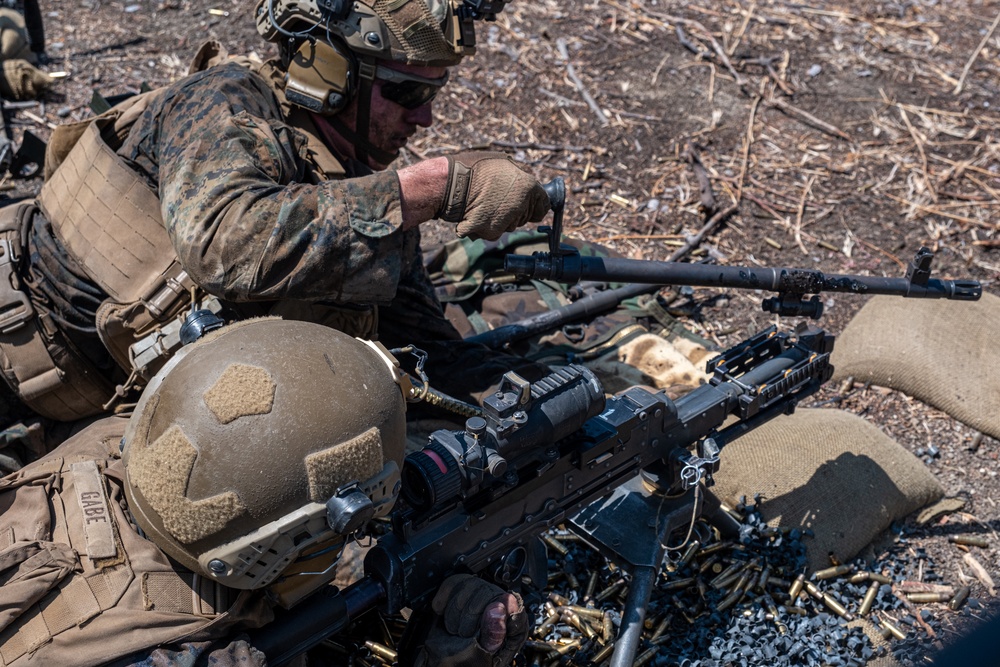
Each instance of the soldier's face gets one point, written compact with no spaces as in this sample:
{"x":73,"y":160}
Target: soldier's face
{"x":390,"y":124}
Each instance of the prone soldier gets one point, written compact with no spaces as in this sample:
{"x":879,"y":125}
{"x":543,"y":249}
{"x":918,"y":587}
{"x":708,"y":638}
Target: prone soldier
{"x":241,"y":475}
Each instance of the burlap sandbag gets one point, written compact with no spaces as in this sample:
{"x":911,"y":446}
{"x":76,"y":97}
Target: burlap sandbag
{"x":944,"y":353}
{"x":830,"y":471}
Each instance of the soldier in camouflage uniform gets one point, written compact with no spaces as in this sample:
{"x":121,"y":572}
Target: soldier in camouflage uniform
{"x":264,"y":185}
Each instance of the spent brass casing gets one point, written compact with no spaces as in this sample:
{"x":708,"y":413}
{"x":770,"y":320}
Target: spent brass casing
{"x":591,"y":586}
{"x":660,"y":629}
{"x":970,"y":540}
{"x":781,"y":583}
{"x":707,"y":563}
{"x":859,"y":577}
{"x":610,"y":590}
{"x":836,"y":607}
{"x":555,"y":544}
{"x":574,"y":583}
{"x":547,"y":625}
{"x":869,"y":599}
{"x":797,"y":611}
{"x":558,"y":600}
{"x":678,"y":584}
{"x":765,"y":576}
{"x":729,"y":600}
{"x":689,"y":553}
{"x":961,"y":596}
{"x":541,"y":647}
{"x":890,"y":629}
{"x":926,"y":598}
{"x":563,"y":649}
{"x":646,"y":656}
{"x":381,"y":651}
{"x":607,"y":628}
{"x":796,"y":587}
{"x":880,"y":578}
{"x":585,"y":612}
{"x":702,"y":587}
{"x":831,"y":572}
{"x":712,"y":548}
{"x":813,"y":590}
{"x":574,"y":619}
{"x":603,"y":654}
{"x":727,"y":576}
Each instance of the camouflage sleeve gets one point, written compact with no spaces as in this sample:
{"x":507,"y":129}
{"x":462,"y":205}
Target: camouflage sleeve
{"x":244,"y":224}
{"x":467,"y":371}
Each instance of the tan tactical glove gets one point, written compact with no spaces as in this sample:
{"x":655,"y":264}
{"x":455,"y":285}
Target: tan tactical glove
{"x":488,"y":195}
{"x":20,"y":80}
{"x":456,"y":638}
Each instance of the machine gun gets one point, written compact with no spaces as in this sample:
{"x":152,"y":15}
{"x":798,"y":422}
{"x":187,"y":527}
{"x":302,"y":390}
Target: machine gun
{"x":565,"y":264}
{"x":623,"y":472}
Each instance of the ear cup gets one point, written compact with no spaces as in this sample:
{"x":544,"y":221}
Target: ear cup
{"x":321,"y":77}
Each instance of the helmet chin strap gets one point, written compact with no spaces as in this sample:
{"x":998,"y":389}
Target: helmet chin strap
{"x":359,"y":138}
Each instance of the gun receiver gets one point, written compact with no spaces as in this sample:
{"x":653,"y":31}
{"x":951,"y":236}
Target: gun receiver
{"x":565,"y":264}
{"x":473,"y":500}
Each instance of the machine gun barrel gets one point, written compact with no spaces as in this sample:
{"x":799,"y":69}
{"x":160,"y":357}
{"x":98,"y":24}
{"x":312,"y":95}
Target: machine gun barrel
{"x":572,"y":267}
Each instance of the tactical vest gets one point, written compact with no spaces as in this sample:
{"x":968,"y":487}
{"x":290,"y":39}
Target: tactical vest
{"x":109,"y":220}
{"x":80,"y":585}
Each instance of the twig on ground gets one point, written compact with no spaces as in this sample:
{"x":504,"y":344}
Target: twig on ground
{"x":801,"y":212}
{"x":809,"y":119}
{"x":918,"y":140}
{"x":748,"y":142}
{"x":975,"y":55}
{"x":571,"y":73}
{"x":693,"y":242}
{"x":701,"y":174}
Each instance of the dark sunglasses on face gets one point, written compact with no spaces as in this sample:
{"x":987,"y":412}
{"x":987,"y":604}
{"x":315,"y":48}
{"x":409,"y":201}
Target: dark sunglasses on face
{"x":408,"y":90}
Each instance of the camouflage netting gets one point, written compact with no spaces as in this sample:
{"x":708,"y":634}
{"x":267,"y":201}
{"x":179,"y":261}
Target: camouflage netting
{"x":828,"y":471}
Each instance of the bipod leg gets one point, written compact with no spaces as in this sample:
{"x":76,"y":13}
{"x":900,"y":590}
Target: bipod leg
{"x":634,"y":616}
{"x":711,"y":510}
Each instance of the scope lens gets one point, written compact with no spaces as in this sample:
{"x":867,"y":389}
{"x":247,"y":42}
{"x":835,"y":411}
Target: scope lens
{"x":430,"y":477}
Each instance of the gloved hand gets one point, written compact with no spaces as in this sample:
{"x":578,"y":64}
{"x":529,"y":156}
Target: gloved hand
{"x":488,"y":194}
{"x":473,"y":624}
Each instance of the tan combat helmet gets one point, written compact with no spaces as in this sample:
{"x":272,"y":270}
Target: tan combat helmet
{"x":266,"y":443}
{"x":333,"y":50}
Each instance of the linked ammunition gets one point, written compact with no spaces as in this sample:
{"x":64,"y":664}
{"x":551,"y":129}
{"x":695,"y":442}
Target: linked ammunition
{"x":689,"y":553}
{"x":925,"y":598}
{"x":836,"y":607}
{"x":890,"y":629}
{"x":555,"y":544}
{"x":869,"y":599}
{"x":831,"y":572}
{"x":796,"y":587}
{"x":970,"y":540}
{"x":381,"y":651}
{"x":961,"y":596}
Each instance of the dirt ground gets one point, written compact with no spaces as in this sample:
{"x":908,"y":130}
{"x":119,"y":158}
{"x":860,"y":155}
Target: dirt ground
{"x":846,"y":136}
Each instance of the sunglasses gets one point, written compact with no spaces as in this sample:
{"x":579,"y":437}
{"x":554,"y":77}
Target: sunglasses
{"x":408,"y":90}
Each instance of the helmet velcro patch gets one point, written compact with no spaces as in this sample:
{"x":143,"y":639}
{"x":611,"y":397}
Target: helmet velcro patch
{"x":241,"y":391}
{"x":355,"y":460}
{"x":161,"y":472}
